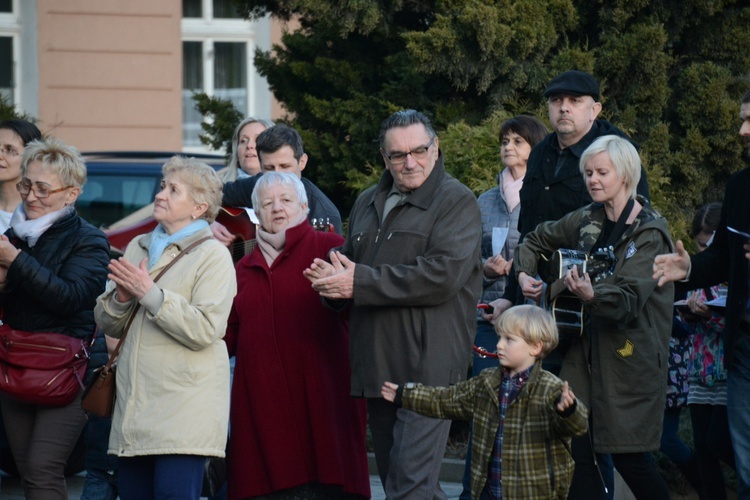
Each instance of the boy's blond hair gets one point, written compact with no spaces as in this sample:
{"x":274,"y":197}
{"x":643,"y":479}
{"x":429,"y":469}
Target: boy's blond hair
{"x":532,"y":323}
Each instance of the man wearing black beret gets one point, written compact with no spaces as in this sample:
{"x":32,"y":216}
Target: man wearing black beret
{"x":553,"y":187}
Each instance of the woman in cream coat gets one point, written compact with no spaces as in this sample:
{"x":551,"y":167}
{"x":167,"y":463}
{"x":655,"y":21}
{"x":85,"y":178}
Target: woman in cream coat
{"x":172,"y":404}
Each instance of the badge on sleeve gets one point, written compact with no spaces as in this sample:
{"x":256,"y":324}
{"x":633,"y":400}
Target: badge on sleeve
{"x":631,"y":250}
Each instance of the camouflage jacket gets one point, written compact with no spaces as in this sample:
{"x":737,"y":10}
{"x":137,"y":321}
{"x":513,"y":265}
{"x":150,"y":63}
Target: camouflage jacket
{"x":537,"y":462}
{"x":618,"y":367}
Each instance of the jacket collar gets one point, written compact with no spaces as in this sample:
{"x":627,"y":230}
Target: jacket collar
{"x":493,"y":382}
{"x":598,"y":129}
{"x":294,"y":235}
{"x":593,"y":220}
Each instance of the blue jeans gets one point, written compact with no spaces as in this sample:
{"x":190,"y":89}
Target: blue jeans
{"x":738,"y":409}
{"x":99,"y":485}
{"x":101,"y":469}
{"x":487,"y":339}
{"x":166,"y":477}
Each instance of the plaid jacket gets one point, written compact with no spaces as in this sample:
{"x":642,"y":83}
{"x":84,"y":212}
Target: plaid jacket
{"x":537,"y":462}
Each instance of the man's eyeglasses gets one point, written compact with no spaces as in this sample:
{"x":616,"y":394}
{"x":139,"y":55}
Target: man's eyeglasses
{"x":25,"y":187}
{"x":8,"y":152}
{"x":419,"y":153}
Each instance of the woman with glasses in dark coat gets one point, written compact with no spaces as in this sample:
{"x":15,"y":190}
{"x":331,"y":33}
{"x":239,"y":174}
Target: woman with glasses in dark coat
{"x":53,"y":265}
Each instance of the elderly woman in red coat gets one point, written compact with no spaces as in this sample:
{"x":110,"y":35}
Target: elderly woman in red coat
{"x":295,"y":431}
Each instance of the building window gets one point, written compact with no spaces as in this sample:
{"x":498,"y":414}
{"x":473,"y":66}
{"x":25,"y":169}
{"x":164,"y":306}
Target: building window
{"x":217,"y":49}
{"x":192,"y":8}
{"x":9,"y":31}
{"x":6,"y":69}
{"x":224,"y":9}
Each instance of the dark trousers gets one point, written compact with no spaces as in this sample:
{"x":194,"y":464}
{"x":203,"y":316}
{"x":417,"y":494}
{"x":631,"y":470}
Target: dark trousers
{"x":712,"y":444}
{"x":41,"y":439}
{"x":594,"y":476}
{"x":641,"y":475}
{"x":166,"y":477}
{"x":671,"y":444}
{"x":409,"y":450}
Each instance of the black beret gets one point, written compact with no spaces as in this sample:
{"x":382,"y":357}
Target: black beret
{"x":574,"y":83}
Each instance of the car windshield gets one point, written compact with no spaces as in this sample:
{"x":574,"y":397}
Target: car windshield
{"x":107,"y":198}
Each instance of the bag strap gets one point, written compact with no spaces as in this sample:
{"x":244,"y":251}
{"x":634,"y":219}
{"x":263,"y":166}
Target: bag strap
{"x":116,"y":352}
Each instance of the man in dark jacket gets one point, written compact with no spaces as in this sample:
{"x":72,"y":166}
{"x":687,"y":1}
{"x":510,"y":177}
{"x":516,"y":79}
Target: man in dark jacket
{"x":553,"y":187}
{"x":411,"y":269}
{"x":726,"y":260}
{"x":280,"y":148}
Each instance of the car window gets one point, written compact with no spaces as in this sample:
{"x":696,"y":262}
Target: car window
{"x":108,"y":198}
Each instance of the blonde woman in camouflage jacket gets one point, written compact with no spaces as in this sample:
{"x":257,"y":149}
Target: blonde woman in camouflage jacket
{"x":619,"y":364}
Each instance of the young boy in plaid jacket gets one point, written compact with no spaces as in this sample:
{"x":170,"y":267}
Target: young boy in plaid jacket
{"x":523,"y":417}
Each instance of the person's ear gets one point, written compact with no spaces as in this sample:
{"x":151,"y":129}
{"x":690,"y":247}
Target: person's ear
{"x":72,"y":195}
{"x":199,"y":210}
{"x":595,"y":110}
{"x":302,"y":162}
{"x":535,"y":349}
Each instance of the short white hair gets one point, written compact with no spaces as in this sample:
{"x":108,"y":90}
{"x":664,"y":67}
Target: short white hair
{"x":269,"y":179}
{"x":623,"y":155}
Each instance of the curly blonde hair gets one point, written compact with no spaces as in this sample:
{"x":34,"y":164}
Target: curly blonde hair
{"x":202,"y":181}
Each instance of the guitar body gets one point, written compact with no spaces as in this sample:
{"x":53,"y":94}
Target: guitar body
{"x":566,"y":308}
{"x":238,"y":223}
{"x":567,"y":311}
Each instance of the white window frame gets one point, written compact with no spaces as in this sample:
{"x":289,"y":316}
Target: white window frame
{"x":10,"y":27}
{"x":209,"y":30}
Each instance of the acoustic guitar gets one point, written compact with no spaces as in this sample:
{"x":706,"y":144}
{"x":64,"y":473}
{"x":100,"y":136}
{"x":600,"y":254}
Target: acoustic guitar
{"x":238,"y":222}
{"x":566,"y":307}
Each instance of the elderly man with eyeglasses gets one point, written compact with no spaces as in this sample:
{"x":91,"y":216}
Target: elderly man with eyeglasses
{"x":411,"y":270}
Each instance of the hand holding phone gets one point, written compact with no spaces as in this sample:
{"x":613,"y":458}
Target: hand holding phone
{"x":486,"y":308}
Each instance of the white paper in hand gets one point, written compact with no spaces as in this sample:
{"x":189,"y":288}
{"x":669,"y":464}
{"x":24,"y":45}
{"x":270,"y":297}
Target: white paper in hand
{"x":499,"y":235}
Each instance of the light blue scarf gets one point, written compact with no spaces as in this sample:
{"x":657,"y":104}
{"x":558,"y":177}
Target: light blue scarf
{"x":161,"y":240}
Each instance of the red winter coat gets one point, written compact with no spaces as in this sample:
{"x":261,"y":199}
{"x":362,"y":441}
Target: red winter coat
{"x":292,"y":419}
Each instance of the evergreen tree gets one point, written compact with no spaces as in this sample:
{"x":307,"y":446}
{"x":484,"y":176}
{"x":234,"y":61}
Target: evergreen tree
{"x":671,"y":74}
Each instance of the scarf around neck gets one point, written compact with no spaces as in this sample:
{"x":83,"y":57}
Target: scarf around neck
{"x":30,"y":230}
{"x":160,"y":240}
{"x":272,"y":244}
{"x":511,"y":189}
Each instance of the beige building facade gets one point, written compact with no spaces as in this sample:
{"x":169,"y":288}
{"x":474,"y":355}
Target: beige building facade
{"x":120,"y":74}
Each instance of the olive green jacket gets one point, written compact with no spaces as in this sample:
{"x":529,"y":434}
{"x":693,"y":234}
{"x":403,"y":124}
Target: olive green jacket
{"x":619,"y":365}
{"x":537,"y":462}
